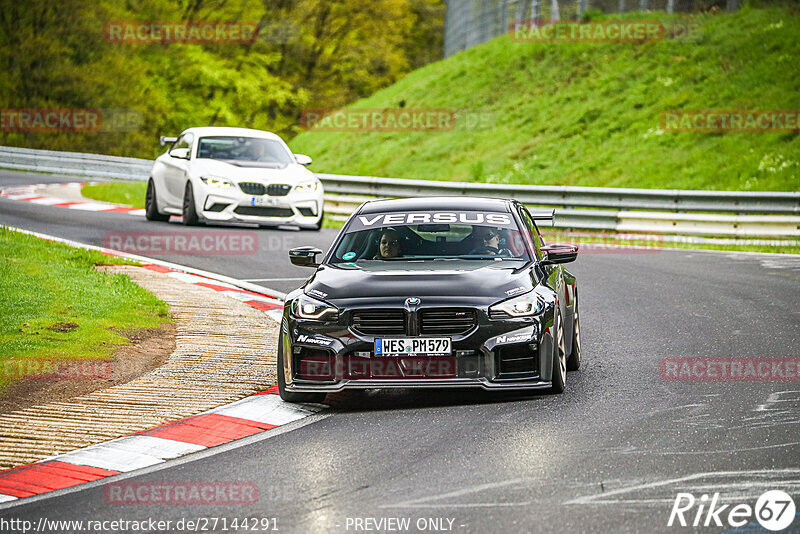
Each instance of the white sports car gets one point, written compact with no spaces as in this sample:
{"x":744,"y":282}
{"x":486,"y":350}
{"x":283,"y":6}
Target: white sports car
{"x":233,"y":174}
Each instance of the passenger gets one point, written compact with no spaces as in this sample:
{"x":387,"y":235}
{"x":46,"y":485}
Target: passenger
{"x":488,"y":240}
{"x":389,"y":245}
{"x":255,"y":151}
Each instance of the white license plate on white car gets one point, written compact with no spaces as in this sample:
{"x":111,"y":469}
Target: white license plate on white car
{"x":414,"y":346}
{"x":263,"y":201}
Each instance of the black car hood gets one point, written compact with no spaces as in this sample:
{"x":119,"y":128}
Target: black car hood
{"x":476,"y":280}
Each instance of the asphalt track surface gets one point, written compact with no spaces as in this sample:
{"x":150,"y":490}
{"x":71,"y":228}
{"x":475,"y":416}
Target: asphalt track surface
{"x":608,"y":455}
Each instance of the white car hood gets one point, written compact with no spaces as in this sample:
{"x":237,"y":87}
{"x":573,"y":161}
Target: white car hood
{"x":291,"y":174}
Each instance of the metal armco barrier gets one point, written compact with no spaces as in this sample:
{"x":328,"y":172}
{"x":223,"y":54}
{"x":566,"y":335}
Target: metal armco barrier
{"x":682,"y":212}
{"x":583,"y":197}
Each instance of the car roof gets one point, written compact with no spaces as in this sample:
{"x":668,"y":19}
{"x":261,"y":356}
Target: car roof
{"x":436,"y":203}
{"x":204,"y":131}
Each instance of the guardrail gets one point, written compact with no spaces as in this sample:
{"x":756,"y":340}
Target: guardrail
{"x":684,"y":212}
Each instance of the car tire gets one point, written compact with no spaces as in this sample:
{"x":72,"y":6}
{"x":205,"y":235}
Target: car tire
{"x":574,"y":360}
{"x":559,"y":377}
{"x":190,"y":217}
{"x":293,"y":396}
{"x":151,"y":205}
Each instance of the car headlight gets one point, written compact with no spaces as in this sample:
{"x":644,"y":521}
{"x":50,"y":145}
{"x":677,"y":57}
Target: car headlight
{"x":305,"y":307}
{"x":522,"y":306}
{"x":218,"y":183}
{"x":307,"y":187}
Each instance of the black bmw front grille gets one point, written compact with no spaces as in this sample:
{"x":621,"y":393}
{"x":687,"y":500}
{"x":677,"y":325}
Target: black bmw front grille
{"x":444,"y":321}
{"x":278,"y":190}
{"x":252,"y":188}
{"x":447,"y":321}
{"x":379,"y":322}
{"x":273,"y":190}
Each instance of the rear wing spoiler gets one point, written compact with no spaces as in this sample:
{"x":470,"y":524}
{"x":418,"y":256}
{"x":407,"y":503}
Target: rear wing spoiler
{"x":164,"y":140}
{"x":543,"y":214}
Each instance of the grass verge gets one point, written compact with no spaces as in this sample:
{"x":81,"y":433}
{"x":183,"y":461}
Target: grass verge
{"x":588,"y":114}
{"x":55,"y":306}
{"x":125,"y":193}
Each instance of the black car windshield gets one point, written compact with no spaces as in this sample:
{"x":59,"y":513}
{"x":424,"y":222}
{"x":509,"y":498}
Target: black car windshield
{"x":467,"y":235}
{"x":244,"y":149}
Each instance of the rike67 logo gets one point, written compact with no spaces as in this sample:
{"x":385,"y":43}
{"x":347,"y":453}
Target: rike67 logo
{"x":774,"y":510}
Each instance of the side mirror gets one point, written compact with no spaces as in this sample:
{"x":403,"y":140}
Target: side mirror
{"x":559,"y":253}
{"x":164,"y":140}
{"x":302,"y":159}
{"x":304,"y":256}
{"x":180,"y":153}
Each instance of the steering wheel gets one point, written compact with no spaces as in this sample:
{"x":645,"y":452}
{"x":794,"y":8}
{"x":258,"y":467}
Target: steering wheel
{"x":485,"y":249}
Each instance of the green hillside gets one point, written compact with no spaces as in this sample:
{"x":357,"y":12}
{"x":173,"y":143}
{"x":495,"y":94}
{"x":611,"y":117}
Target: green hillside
{"x":588,"y":113}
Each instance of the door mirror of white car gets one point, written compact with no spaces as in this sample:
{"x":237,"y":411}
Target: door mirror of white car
{"x":304,"y":256}
{"x":180,"y":153}
{"x":302,"y":159}
{"x":164,"y":140}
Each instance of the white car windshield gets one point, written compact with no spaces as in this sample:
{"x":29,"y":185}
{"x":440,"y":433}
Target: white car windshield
{"x":244,"y":150}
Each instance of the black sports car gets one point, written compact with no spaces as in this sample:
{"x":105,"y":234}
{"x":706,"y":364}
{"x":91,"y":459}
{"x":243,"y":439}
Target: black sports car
{"x":432,"y":292}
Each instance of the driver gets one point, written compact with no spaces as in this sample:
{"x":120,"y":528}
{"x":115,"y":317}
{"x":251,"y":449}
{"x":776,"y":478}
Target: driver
{"x":255,"y":150}
{"x":389,"y":245}
{"x":488,"y":240}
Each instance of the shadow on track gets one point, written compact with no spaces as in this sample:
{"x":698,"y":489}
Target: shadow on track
{"x":399,"y":399}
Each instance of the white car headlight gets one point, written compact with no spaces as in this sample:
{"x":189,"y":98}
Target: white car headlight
{"x":305,"y":307}
{"x":218,"y":183}
{"x":307,"y":187}
{"x":523,"y":306}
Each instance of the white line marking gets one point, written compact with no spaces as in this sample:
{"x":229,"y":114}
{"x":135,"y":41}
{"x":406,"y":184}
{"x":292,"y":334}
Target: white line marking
{"x":421,"y":502}
{"x":186,"y":277}
{"x":273,"y":279}
{"x":47,"y":201}
{"x":154,"y":446}
{"x":7,"y":498}
{"x":91,"y":206}
{"x":269,"y":409}
{"x":726,"y":451}
{"x":602,"y":498}
{"x":466,"y":505}
{"x":105,"y":457}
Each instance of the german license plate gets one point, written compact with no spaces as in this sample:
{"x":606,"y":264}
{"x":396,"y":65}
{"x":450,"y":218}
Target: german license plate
{"x":415,"y":346}
{"x":263,"y":201}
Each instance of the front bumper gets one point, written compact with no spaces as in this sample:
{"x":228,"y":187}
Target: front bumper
{"x":507,"y":354}
{"x":302,"y":209}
